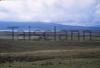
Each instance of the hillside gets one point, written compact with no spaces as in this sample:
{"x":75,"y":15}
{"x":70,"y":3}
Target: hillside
{"x":44,"y":26}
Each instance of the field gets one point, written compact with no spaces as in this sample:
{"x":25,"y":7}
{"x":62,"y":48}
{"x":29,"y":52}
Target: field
{"x":49,"y":54}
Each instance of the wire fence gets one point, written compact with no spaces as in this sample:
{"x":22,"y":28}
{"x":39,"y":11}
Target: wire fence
{"x":49,"y":34}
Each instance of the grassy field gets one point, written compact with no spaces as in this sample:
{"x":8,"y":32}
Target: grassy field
{"x":55,"y":63}
{"x":49,"y":54}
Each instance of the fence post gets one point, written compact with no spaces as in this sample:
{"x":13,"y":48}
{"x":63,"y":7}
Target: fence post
{"x":29,"y":32}
{"x":24,"y":35}
{"x":66,"y":35}
{"x":71,"y":35}
{"x":90,"y":35}
{"x":83,"y":35}
{"x":78,"y":35}
{"x":13,"y":33}
{"x":55,"y":33}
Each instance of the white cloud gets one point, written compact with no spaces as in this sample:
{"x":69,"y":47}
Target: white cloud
{"x":75,"y":12}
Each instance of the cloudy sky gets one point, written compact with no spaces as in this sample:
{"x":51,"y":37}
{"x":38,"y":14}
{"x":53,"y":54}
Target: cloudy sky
{"x":69,"y":12}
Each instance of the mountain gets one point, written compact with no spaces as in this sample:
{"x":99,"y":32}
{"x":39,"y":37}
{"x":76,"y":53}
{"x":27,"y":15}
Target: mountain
{"x":44,"y":26}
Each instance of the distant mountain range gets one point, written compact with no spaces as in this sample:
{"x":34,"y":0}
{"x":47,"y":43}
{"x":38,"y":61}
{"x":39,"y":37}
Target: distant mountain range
{"x":44,"y":26}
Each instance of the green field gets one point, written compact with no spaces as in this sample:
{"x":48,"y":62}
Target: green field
{"x":49,"y":54}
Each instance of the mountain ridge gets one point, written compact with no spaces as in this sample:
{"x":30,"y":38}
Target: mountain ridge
{"x":44,"y":26}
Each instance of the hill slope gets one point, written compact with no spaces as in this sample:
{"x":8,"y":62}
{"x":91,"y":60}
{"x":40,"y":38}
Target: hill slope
{"x":44,"y":26}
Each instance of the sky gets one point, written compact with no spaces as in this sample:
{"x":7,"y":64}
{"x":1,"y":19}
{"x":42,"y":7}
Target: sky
{"x":68,"y":12}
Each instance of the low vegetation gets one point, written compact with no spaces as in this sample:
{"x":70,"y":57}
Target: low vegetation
{"x":49,"y":54}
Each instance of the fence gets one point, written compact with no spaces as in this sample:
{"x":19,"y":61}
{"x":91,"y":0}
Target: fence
{"x":50,"y":34}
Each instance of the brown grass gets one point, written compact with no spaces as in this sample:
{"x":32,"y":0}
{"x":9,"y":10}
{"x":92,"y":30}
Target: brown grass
{"x":43,"y":50}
